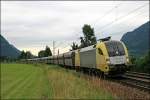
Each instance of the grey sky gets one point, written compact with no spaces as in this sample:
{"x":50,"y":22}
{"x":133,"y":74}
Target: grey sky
{"x":31,"y":25}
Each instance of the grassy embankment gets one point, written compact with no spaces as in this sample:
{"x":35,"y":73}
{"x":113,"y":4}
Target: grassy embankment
{"x":22,"y":81}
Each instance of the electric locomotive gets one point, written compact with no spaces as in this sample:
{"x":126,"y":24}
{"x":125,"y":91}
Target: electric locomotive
{"x":109,"y":57}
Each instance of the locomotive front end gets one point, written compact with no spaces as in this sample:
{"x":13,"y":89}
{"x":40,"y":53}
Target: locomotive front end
{"x":117,"y":59}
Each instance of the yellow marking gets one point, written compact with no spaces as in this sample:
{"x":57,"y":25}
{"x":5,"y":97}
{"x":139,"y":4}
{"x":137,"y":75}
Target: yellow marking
{"x":101,"y":59}
{"x":77,"y":58}
{"x":126,"y":51}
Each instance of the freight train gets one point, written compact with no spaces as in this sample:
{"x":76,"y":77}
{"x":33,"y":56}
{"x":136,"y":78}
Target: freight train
{"x":110,"y":57}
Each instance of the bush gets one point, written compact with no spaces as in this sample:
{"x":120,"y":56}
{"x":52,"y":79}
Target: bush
{"x":141,"y":64}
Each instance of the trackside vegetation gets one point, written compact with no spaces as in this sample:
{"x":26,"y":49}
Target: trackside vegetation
{"x":142,"y":64}
{"x":71,"y":85}
{"x":28,"y":81}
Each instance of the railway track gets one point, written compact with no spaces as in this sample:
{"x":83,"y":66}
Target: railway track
{"x":137,"y":80}
{"x":140,"y":75}
{"x":132,"y":79}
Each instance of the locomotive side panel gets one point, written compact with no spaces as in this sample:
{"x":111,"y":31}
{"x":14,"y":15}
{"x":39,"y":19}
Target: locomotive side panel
{"x":88,"y":58}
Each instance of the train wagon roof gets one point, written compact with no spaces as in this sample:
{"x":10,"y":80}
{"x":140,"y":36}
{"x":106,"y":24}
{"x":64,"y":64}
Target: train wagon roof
{"x":50,"y":57}
{"x":60,"y":55}
{"x":54,"y":56}
{"x":112,"y":41}
{"x":68,"y":54}
{"x":32,"y":59}
{"x":45,"y":58}
{"x":36,"y":58}
{"x":92,"y":47}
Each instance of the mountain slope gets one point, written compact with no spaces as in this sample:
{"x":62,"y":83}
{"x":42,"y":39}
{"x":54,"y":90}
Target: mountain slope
{"x":137,"y":41}
{"x":8,"y":50}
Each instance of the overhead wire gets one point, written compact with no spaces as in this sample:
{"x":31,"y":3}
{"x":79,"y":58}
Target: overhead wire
{"x":103,"y":16}
{"x":107,"y":13}
{"x":121,"y":17}
{"x":129,"y":23}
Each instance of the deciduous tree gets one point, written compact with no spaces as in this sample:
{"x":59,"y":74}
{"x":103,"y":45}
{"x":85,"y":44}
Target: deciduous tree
{"x":89,"y":36}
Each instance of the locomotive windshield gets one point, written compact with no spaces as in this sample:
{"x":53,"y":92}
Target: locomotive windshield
{"x":114,"y":48}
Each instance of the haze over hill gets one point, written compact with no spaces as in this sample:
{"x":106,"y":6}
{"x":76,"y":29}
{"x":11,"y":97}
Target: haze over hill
{"x":137,"y":41}
{"x":8,"y":50}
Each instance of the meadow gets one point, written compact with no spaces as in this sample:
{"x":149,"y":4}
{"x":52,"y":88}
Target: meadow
{"x":28,"y":81}
{"x":41,"y":81}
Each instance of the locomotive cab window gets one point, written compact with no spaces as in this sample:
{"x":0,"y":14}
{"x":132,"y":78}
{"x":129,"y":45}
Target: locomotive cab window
{"x":115,"y":48}
{"x":100,"y":51}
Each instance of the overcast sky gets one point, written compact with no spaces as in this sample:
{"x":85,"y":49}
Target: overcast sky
{"x":31,"y":25}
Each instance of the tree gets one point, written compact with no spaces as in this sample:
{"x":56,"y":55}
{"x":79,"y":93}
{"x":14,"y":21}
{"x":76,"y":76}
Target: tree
{"x":132,"y":59}
{"x":47,"y":52}
{"x":88,"y":39}
{"x":22,"y":55}
{"x":83,"y":43}
{"x":28,"y":55}
{"x":142,"y":63}
{"x":41,"y":53}
{"x":25,"y":55}
{"x":74,"y":46}
{"x":89,"y":36}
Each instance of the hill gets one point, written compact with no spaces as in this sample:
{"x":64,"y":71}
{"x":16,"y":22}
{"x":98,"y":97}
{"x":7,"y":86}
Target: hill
{"x":137,"y":41}
{"x":8,"y":50}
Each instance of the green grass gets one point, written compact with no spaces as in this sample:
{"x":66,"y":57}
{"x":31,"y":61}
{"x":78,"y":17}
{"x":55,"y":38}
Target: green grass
{"x":68,"y":84}
{"x":23,"y":81}
{"x":26,"y":81}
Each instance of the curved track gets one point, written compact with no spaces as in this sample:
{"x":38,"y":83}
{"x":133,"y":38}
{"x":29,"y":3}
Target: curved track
{"x":137,"y":80}
{"x":132,"y":79}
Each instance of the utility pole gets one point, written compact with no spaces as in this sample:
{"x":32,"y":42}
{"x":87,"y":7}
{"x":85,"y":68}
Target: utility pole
{"x":58,"y":51}
{"x":53,"y":47}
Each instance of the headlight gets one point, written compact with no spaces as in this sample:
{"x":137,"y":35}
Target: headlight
{"x":108,"y":62}
{"x":127,"y":59}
